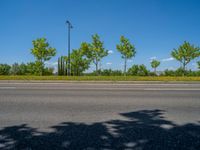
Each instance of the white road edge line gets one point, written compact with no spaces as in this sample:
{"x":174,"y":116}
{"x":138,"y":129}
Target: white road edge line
{"x":2,"y":88}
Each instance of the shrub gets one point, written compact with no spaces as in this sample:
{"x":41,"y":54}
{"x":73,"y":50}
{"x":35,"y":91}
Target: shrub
{"x":18,"y":69}
{"x":4,"y":69}
{"x":138,"y":70}
{"x":106,"y":72}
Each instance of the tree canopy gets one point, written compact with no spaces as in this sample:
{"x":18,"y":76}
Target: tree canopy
{"x":126,"y":49}
{"x":138,"y":70}
{"x":78,"y":62}
{"x":42,"y":52}
{"x":185,"y":53}
{"x":94,"y":51}
{"x":155,"y":64}
{"x":4,"y":69}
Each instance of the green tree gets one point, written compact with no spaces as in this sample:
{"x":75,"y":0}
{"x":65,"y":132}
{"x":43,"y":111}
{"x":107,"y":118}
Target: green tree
{"x":4,"y":69}
{"x":79,"y":63}
{"x":185,"y":53}
{"x":126,"y":49}
{"x":33,"y":69}
{"x":155,"y":64}
{"x":42,"y":52}
{"x":62,"y":65}
{"x":143,"y":70}
{"x":94,"y":51}
{"x":133,"y":70}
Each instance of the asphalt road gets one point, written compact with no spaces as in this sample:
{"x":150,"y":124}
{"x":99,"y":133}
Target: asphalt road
{"x":99,"y":116}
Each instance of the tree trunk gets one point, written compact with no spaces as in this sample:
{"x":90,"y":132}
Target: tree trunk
{"x":64,"y":66}
{"x":97,"y":73}
{"x":100,"y":68}
{"x":184,"y":64}
{"x":155,"y":71}
{"x":77,"y":71}
{"x":41,"y":68}
{"x":125,"y":61}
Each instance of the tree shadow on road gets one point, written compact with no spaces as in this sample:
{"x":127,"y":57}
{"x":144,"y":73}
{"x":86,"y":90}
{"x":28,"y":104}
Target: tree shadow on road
{"x":142,"y":130}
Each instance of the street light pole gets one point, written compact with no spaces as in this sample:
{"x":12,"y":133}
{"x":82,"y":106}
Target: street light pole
{"x":69,"y":28}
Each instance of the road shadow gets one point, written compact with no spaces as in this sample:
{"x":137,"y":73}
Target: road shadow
{"x":142,"y":130}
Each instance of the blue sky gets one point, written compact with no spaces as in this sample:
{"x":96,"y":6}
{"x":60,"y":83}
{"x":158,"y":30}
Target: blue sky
{"x":155,"y":27}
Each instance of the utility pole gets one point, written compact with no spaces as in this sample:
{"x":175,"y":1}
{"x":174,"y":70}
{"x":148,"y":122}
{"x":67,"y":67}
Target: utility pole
{"x":69,"y":28}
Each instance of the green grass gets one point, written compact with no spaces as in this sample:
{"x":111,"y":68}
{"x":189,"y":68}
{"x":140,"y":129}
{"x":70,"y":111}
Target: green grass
{"x":100,"y":78}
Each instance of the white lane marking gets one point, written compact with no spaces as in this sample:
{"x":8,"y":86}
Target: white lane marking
{"x":152,"y":87}
{"x":112,"y":86}
{"x":7,"y":88}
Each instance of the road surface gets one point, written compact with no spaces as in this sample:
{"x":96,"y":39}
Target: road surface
{"x":99,"y":116}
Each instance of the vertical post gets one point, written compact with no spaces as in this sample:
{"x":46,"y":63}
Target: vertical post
{"x":69,"y":67}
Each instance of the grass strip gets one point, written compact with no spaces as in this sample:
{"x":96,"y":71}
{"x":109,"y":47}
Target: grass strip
{"x":101,"y":78}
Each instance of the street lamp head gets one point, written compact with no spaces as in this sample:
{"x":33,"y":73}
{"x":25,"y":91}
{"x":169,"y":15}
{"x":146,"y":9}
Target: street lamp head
{"x":69,"y":23}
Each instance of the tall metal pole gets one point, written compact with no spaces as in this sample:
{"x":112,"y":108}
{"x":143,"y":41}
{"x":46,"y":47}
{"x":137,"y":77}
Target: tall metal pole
{"x":69,"y":62}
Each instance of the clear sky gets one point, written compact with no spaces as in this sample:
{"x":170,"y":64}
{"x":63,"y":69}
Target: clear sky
{"x":155,"y":27}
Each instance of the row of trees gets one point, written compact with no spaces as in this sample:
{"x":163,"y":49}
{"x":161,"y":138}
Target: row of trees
{"x":82,"y":58}
{"x":92,"y":53}
{"x":135,"y":70}
{"x":42,"y":52}
{"x":24,"y":69}
{"x":141,"y":70}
